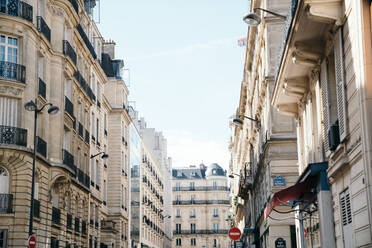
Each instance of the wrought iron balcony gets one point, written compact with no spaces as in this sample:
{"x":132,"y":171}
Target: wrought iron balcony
{"x":69,"y":107}
{"x":13,"y":135}
{"x":56,"y":216}
{"x":87,"y":136}
{"x":41,"y":147}
{"x":81,"y":130}
{"x":6,"y":203}
{"x":68,"y":159}
{"x":202,"y":188}
{"x":43,"y":28}
{"x":69,"y":221}
{"x":86,"y":41}
{"x":17,"y":8}
{"x":36,"y":208}
{"x":75,"y":5}
{"x":84,"y":85}
{"x":77,"y":224}
{"x":42,"y":88}
{"x":203,"y":231}
{"x":200,"y":202}
{"x":12,"y":71}
{"x":69,"y":51}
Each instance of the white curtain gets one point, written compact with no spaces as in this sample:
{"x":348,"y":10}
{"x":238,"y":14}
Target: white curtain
{"x":8,"y":111}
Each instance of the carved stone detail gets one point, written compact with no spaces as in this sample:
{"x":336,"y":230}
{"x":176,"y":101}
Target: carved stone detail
{"x":10,"y":91}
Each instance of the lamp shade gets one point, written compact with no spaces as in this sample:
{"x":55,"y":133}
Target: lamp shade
{"x":252,"y":19}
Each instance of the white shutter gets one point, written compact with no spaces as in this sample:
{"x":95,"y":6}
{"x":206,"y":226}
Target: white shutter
{"x":346,"y":219}
{"x":340,"y":84}
{"x":325,"y":103}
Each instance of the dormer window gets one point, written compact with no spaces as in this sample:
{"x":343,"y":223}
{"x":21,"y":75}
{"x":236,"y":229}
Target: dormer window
{"x":193,"y":174}
{"x":214,"y":172}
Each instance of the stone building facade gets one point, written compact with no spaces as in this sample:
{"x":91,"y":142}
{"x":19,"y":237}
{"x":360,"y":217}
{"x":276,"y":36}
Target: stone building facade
{"x":52,"y":52}
{"x":200,"y":207}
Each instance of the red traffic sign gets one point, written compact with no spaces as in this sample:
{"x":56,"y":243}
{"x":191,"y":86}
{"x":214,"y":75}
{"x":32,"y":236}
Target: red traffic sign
{"x":32,"y":242}
{"x":234,"y":233}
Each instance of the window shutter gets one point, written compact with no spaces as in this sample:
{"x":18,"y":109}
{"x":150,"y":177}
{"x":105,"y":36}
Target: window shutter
{"x":340,"y":84}
{"x":325,"y":102}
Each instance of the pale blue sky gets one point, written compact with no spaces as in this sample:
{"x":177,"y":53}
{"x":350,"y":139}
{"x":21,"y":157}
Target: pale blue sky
{"x":185,"y":69}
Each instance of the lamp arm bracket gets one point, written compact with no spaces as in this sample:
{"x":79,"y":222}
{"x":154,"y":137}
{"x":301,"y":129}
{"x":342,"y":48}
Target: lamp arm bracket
{"x":270,"y":12}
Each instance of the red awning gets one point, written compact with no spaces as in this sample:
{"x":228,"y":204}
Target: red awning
{"x":298,"y":191}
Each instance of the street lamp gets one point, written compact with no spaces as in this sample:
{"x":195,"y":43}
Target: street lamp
{"x":32,"y":106}
{"x":105,"y":155}
{"x":252,"y":19}
{"x":239,"y":122}
{"x":233,"y":174}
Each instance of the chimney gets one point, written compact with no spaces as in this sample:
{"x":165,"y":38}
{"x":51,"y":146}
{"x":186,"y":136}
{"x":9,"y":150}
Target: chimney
{"x":109,"y":48}
{"x":202,"y":166}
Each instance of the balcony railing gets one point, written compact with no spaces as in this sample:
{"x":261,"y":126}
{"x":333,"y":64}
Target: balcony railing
{"x":41,"y":147}
{"x":69,"y":221}
{"x":43,"y":28}
{"x":6,"y":203}
{"x":75,"y":5}
{"x":17,"y":8}
{"x":69,"y":51}
{"x":200,"y":202}
{"x":77,"y":224}
{"x":42,"y":88}
{"x":12,"y":71}
{"x":84,"y":85}
{"x":83,"y":227}
{"x":56,"y":216}
{"x":86,"y":41}
{"x":202,"y":188}
{"x":68,"y":159}
{"x":13,"y":135}
{"x":87,"y":136}
{"x":205,"y":231}
{"x":69,"y":107}
{"x":36,"y":208}
{"x":81,"y":130}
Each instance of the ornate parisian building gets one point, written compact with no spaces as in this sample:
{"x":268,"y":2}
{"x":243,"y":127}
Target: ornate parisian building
{"x":201,"y":207}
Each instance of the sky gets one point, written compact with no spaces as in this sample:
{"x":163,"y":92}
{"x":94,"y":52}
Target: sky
{"x":185,"y":69}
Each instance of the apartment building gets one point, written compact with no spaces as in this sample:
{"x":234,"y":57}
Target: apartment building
{"x":263,"y":146}
{"x":200,"y":207}
{"x":51,"y":52}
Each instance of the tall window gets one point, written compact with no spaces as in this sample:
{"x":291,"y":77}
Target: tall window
{"x":178,"y":228}
{"x":4,"y":181}
{"x":214,"y":243}
{"x":192,"y":198}
{"x":122,"y":161}
{"x":178,"y":186}
{"x":214,"y":185}
{"x":92,"y":169}
{"x":97,"y":173}
{"x":178,"y":242}
{"x":178,"y":212}
{"x":123,"y":195}
{"x":215,"y":227}
{"x":85,"y":167}
{"x":8,"y":49}
{"x":105,"y":151}
{"x":193,"y":241}
{"x":79,"y":112}
{"x":104,"y":190}
{"x":93,"y":121}
{"x":122,"y":129}
{"x":215,"y":212}
{"x":192,"y":185}
{"x":192,"y":213}
{"x":94,"y":83}
{"x":178,"y":198}
{"x":193,"y":227}
{"x":78,"y":159}
{"x":3,"y":238}
{"x":105,"y":121}
{"x":86,"y":119}
{"x":97,"y":130}
{"x":8,"y":110}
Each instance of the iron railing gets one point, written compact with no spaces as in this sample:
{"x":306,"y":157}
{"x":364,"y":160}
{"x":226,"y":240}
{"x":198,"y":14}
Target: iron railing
{"x":84,"y":85}
{"x":69,"y":51}
{"x":36,"y":208}
{"x":75,"y":5}
{"x":43,"y":28}
{"x":68,"y":159}
{"x":6,"y":203}
{"x":202,"y":188}
{"x":42,"y":88}
{"x":17,"y":8}
{"x":12,"y":71}
{"x":13,"y":135}
{"x":56,"y":215}
{"x":87,"y":136}
{"x":41,"y":147}
{"x":203,"y":231}
{"x":86,"y":41}
{"x":199,"y":202}
{"x":81,"y":130}
{"x":77,"y":224}
{"x":69,"y":221}
{"x":69,"y":107}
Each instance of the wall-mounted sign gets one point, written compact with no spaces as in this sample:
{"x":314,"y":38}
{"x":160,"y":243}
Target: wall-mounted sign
{"x":279,"y":181}
{"x":280,"y":243}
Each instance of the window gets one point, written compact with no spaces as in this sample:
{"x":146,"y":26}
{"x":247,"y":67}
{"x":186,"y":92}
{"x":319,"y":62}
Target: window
{"x":97,"y":173}
{"x":78,"y":159}
{"x":192,"y":213}
{"x":178,"y":242}
{"x":192,"y":198}
{"x":215,"y":212}
{"x":98,"y":91}
{"x":346,"y":219}
{"x":178,"y":212}
{"x":193,"y":227}
{"x":97,"y":130}
{"x":93,"y":128}
{"x":54,"y":242}
{"x":92,"y":169}
{"x":94,"y":83}
{"x":214,"y":185}
{"x":123,"y":129}
{"x":4,"y":181}
{"x":79,"y":112}
{"x":3,"y":238}
{"x":178,"y":198}
{"x":8,"y":110}
{"x":178,"y":186}
{"x":122,"y":161}
{"x":214,"y":243}
{"x":192,"y":185}
{"x":41,"y":67}
{"x":85,"y":167}
{"x":91,"y":211}
{"x":104,"y":190}
{"x":105,"y":151}
{"x":214,"y":172}
{"x":105,"y":121}
{"x":193,"y":174}
{"x":123,"y":195}
{"x":178,"y":228}
{"x":193,"y":242}
{"x":8,"y":49}
{"x":86,"y":119}
{"x":215,"y":227}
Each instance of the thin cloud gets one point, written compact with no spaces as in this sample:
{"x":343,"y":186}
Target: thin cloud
{"x":187,"y":149}
{"x":185,"y":50}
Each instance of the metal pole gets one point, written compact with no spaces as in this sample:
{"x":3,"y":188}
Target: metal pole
{"x":33,"y":173}
{"x":302,"y":235}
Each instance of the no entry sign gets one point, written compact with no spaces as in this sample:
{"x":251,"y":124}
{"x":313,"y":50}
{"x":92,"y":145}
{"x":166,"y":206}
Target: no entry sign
{"x":234,"y":233}
{"x":32,"y":242}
